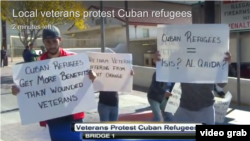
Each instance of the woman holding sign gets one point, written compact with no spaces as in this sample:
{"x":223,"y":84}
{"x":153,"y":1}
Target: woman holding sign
{"x":108,"y":106}
{"x":59,"y":128}
{"x":197,"y":100}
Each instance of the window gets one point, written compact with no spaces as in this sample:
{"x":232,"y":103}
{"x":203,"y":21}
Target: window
{"x":145,"y":33}
{"x":98,"y":21}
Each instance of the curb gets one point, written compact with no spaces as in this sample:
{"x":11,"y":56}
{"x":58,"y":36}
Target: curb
{"x":141,"y":116}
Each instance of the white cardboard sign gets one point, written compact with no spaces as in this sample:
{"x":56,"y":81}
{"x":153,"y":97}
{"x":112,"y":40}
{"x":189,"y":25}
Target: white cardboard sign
{"x":174,"y":100}
{"x":113,"y":71}
{"x":54,"y":88}
{"x":221,"y":105}
{"x":193,"y":53}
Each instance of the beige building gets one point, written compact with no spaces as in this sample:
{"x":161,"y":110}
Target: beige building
{"x":142,"y":31}
{"x":198,"y":17}
{"x":226,"y":13}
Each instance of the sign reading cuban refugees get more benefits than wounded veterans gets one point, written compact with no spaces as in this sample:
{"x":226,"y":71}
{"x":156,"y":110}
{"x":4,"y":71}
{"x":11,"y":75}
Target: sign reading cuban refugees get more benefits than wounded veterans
{"x":113,"y":71}
{"x":193,"y":53}
{"x":54,"y":88}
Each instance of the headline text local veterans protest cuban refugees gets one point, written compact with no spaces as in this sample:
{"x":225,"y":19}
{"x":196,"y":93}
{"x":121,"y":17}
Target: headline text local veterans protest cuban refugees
{"x":51,"y":13}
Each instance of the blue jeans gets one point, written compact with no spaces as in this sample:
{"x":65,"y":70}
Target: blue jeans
{"x":158,"y":110}
{"x":60,"y":130}
{"x":108,"y":113}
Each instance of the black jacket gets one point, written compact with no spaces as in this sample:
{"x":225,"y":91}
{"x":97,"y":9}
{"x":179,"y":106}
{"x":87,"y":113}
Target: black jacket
{"x":157,"y":90}
{"x":28,"y":55}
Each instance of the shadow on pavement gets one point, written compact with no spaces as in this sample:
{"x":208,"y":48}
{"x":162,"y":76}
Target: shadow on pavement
{"x":140,"y":88}
{"x":226,"y":121}
{"x":19,"y":63}
{"x":11,"y":110}
{"x":6,"y":80}
{"x":143,"y":109}
{"x":5,"y":93}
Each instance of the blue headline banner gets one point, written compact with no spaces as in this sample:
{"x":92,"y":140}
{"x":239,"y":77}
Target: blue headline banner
{"x":146,"y":140}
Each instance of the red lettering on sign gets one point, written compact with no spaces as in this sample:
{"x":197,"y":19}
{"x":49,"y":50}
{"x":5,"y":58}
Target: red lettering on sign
{"x":231,"y":1}
{"x":240,"y":25}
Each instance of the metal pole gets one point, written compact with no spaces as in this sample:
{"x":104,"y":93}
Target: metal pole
{"x":238,"y":68}
{"x":209,"y":11}
{"x":4,"y":35}
{"x":4,"y":40}
{"x":127,"y":27}
{"x":102,"y":29}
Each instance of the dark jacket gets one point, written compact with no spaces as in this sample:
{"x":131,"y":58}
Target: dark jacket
{"x":28,"y":55}
{"x":157,"y":90}
{"x":3,"y":54}
{"x":195,"y":97}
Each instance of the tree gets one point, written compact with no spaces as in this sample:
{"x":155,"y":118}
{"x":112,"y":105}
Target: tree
{"x":38,"y":16}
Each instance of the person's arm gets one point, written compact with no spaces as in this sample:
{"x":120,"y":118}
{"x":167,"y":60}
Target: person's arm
{"x":228,"y":58}
{"x":92,"y":75}
{"x":157,"y":86}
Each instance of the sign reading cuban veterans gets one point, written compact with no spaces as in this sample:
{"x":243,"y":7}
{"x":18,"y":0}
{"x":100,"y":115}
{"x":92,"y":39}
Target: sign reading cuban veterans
{"x":193,"y":53}
{"x":174,"y":100}
{"x":113,"y":71}
{"x":54,"y":88}
{"x":236,"y":14}
{"x":221,"y":106}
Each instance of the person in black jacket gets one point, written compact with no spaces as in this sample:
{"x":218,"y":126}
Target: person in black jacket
{"x":3,"y":56}
{"x":158,"y":95}
{"x":28,"y":56}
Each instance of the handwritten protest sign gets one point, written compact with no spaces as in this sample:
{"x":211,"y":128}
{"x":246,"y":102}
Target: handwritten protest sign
{"x":113,"y":71}
{"x":174,"y":100}
{"x":54,"y":88}
{"x":193,"y":53}
{"x":221,"y":105}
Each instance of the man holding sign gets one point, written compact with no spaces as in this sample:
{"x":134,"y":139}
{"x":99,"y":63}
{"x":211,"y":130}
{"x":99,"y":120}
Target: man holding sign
{"x":193,"y":56}
{"x":59,"y":128}
{"x":197,"y":100}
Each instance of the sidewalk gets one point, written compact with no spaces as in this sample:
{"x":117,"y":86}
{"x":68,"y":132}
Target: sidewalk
{"x":133,"y":107}
{"x":13,"y":130}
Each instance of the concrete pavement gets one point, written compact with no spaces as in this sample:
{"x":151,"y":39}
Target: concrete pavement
{"x":129,"y":103}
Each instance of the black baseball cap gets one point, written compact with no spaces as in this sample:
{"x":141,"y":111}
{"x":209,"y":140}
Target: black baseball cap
{"x":50,"y":33}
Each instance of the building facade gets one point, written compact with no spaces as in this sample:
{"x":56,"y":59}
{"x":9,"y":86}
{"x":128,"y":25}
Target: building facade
{"x":141,"y":30}
{"x":227,"y":12}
